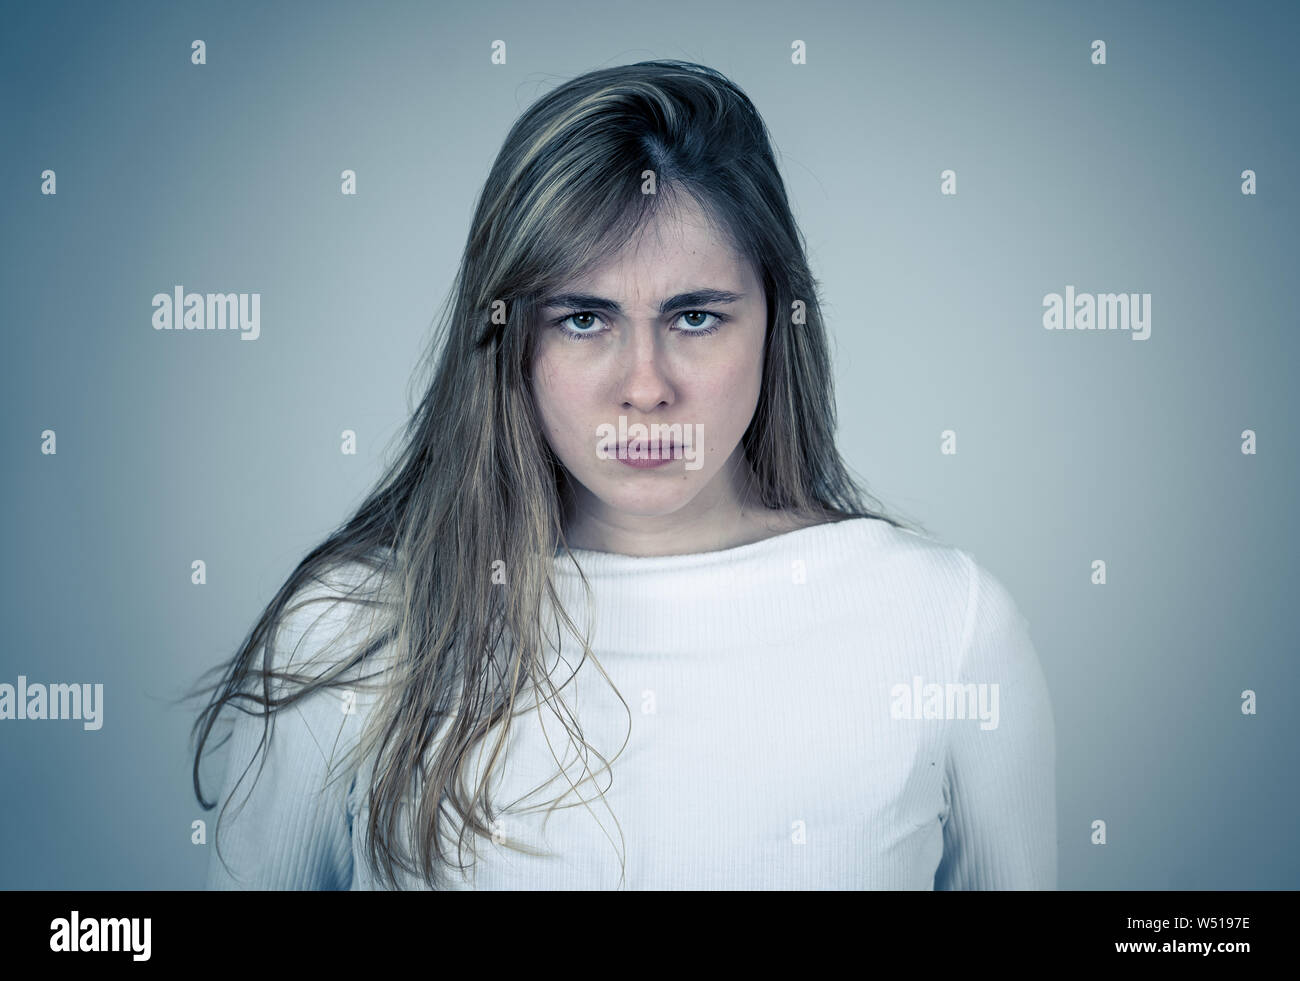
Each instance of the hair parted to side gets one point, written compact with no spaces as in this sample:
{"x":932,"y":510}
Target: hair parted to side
{"x":564,"y":193}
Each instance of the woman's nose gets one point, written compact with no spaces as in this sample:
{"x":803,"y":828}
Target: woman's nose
{"x":646,"y":383}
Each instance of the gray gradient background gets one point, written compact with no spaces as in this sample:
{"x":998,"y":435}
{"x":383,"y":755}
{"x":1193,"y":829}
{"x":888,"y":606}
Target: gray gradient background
{"x":1072,"y":446}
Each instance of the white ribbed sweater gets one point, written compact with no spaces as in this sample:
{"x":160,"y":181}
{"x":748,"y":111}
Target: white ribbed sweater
{"x":771,"y":693}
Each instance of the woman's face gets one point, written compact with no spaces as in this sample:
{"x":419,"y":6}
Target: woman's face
{"x":629,"y":340}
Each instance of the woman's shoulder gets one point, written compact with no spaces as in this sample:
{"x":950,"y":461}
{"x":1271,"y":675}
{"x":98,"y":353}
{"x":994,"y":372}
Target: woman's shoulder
{"x":326,"y":620}
{"x":913,"y":567}
{"x":874,"y":538}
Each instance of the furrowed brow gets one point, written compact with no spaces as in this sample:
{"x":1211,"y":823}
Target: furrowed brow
{"x":682,"y":301}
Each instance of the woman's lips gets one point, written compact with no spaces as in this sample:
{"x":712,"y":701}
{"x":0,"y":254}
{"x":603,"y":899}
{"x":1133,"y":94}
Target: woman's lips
{"x":645,"y":458}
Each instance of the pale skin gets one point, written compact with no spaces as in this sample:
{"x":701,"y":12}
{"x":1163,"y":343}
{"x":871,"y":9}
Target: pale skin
{"x":659,"y":366}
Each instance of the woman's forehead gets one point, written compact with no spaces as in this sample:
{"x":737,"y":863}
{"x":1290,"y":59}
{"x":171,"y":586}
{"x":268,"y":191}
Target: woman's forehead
{"x":669,"y":253}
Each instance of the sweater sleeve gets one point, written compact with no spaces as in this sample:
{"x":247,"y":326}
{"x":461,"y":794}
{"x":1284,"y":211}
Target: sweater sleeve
{"x":288,"y":827}
{"x":1000,"y":781}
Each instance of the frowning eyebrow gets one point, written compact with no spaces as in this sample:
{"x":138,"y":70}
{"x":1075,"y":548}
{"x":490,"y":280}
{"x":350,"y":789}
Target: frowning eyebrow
{"x":682,"y":301}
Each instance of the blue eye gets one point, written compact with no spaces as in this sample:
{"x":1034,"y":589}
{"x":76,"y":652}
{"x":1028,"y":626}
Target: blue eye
{"x":691,"y":329}
{"x":576,"y":335}
{"x":702,"y":328}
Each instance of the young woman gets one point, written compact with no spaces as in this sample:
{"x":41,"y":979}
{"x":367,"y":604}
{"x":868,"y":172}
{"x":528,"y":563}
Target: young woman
{"x":618,"y":617}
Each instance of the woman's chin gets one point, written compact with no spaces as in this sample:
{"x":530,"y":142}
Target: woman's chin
{"x":649,"y":501}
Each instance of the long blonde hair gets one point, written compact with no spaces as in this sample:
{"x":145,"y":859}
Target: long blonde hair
{"x":565,"y":190}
